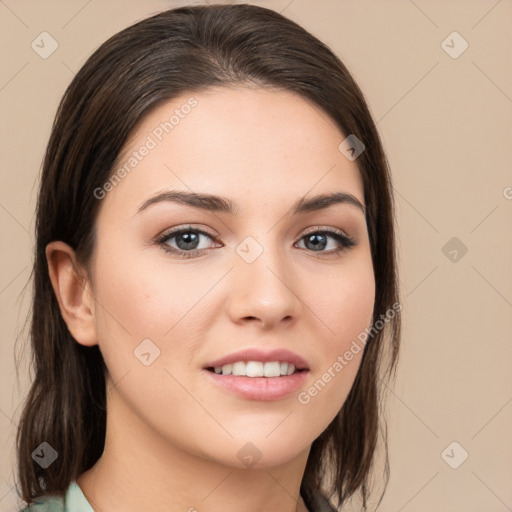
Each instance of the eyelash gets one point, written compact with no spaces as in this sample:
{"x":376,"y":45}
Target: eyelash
{"x":346,"y":242}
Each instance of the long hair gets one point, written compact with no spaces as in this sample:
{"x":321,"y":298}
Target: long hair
{"x":186,"y":50}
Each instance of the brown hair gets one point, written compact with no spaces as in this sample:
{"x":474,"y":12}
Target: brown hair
{"x":190,"y":49}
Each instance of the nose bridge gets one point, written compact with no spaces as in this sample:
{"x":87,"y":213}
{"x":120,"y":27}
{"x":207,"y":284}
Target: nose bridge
{"x":263,"y":283}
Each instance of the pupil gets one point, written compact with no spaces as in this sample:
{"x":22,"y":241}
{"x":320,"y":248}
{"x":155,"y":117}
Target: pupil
{"x":190,"y":240}
{"x":316,"y":243}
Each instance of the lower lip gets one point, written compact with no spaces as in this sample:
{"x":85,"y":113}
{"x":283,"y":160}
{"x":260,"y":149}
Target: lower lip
{"x":259,"y":388}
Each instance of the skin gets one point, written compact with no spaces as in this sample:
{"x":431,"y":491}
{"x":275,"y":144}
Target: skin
{"x":172,"y":437}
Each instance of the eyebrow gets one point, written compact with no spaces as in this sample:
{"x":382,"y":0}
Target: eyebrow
{"x":221,"y":204}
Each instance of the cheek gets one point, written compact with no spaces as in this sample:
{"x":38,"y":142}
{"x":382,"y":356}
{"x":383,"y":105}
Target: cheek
{"x":356,"y":298}
{"x":345,"y":307}
{"x":344,"y":303}
{"x":347,"y":313}
{"x":132,"y":300}
{"x":138,"y":301}
{"x":138,"y":292}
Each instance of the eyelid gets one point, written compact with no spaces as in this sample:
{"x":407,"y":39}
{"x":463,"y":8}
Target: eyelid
{"x":186,"y":227}
{"x":204,"y":231}
{"x":315,"y":229}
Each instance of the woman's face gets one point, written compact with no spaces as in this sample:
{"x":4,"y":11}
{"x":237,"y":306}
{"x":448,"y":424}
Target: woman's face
{"x":256,"y":278}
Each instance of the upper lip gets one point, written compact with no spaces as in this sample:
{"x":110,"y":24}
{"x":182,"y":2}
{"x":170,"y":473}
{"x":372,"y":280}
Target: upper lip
{"x":265,"y":356}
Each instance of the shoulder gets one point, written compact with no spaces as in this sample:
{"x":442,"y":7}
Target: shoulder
{"x":73,"y":501}
{"x":46,"y":504}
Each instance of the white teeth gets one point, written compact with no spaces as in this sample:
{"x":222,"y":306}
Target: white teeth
{"x":227,"y":369}
{"x":272,"y":369}
{"x":238,"y":368}
{"x":256,"y":369}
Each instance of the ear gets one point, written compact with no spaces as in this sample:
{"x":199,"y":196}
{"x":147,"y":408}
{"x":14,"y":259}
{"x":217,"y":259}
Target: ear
{"x":73,"y":292}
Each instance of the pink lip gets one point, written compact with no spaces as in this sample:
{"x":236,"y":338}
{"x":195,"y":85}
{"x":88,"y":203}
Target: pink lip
{"x":253,"y":354}
{"x":259,"y":388}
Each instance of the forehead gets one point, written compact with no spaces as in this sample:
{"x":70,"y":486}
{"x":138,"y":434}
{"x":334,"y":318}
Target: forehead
{"x":259,"y":145}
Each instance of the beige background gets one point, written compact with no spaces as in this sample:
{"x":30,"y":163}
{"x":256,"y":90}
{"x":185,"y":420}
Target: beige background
{"x":446,"y":124}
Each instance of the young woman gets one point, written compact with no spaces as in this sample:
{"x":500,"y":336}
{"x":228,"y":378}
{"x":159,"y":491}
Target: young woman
{"x":215,"y":284}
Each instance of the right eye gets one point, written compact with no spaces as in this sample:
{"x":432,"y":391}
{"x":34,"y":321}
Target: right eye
{"x":185,"y":240}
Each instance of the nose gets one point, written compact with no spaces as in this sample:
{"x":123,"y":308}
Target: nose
{"x":264,"y":291}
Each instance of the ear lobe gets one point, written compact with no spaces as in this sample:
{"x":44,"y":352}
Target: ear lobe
{"x":73,"y":292}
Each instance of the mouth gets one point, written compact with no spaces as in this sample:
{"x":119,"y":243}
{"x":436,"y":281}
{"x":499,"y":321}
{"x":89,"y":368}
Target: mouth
{"x":256,"y":386}
{"x":255,"y":362}
{"x":256,"y":374}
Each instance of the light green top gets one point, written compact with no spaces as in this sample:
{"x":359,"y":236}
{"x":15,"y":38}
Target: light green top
{"x":73,"y":501}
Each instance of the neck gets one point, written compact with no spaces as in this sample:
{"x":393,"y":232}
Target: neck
{"x":156,"y":474}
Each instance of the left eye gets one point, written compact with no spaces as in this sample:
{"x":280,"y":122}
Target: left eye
{"x":318,"y":241}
